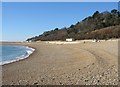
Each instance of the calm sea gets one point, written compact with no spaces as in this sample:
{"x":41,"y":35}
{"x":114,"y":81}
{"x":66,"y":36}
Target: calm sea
{"x":10,"y":54}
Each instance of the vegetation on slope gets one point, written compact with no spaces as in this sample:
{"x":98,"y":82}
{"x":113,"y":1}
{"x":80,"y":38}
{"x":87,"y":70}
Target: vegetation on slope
{"x":103,"y":25}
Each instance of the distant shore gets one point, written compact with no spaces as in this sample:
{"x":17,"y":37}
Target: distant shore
{"x":71,"y":64}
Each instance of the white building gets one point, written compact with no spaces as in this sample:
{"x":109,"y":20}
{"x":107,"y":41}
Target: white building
{"x":69,"y":39}
{"x":29,"y":41}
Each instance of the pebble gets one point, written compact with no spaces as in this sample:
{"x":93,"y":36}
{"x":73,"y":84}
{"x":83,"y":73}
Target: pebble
{"x":35,"y":83}
{"x":41,"y":80}
{"x":86,"y":80}
{"x":53,"y":79}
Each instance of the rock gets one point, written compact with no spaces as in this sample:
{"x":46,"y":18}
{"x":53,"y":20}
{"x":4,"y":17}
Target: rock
{"x":22,"y":82}
{"x":60,"y":83}
{"x":41,"y":80}
{"x":86,"y":80}
{"x":93,"y":63}
{"x":53,"y":79}
{"x":35,"y":83}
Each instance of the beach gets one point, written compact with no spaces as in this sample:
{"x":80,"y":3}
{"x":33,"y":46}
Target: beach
{"x":89,"y":63}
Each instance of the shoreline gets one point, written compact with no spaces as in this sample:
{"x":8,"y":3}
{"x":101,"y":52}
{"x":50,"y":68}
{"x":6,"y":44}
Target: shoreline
{"x":77,"y":64}
{"x":20,"y":57}
{"x":17,"y":44}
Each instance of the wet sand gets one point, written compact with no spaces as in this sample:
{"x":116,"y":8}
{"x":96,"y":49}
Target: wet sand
{"x":65,"y":64}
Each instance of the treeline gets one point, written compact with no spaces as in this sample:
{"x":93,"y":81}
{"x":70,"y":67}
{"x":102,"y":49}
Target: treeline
{"x":104,"y":33}
{"x":92,"y":27}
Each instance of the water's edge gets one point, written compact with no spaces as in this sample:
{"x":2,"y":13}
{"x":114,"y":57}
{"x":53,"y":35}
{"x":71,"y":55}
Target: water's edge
{"x":29,"y":52}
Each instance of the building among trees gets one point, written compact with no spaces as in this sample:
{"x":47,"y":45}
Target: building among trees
{"x":70,"y":39}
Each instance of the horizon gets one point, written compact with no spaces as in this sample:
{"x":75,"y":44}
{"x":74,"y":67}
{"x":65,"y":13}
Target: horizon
{"x":22,"y":20}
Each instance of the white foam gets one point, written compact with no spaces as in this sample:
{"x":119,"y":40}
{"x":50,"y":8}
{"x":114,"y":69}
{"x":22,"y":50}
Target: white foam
{"x":29,"y":52}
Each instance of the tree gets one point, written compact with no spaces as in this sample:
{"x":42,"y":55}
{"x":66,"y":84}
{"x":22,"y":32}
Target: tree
{"x":72,"y":26}
{"x":95,"y":14}
{"x":77,"y":23}
{"x":56,"y":29}
{"x":114,"y":11}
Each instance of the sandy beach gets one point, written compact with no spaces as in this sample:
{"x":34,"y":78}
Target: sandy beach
{"x":65,"y":64}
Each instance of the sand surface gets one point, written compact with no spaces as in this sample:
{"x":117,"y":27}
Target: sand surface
{"x":65,"y":64}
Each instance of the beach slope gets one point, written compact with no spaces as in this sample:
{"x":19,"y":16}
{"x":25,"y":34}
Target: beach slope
{"x":65,"y":64}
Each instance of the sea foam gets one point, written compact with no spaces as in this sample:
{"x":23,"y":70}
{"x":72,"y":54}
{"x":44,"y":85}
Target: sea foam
{"x":29,"y":51}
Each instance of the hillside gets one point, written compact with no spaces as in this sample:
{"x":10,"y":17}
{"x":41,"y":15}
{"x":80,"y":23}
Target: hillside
{"x":103,"y":25}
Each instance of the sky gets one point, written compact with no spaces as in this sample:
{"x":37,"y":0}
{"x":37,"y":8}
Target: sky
{"x":22,"y":20}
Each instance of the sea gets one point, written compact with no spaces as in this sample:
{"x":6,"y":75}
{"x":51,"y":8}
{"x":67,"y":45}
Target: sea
{"x":9,"y":54}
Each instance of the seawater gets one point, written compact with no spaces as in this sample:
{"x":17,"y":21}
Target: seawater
{"x":10,"y":54}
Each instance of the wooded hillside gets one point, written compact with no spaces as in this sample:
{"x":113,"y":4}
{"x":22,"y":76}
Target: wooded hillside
{"x":103,"y":25}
